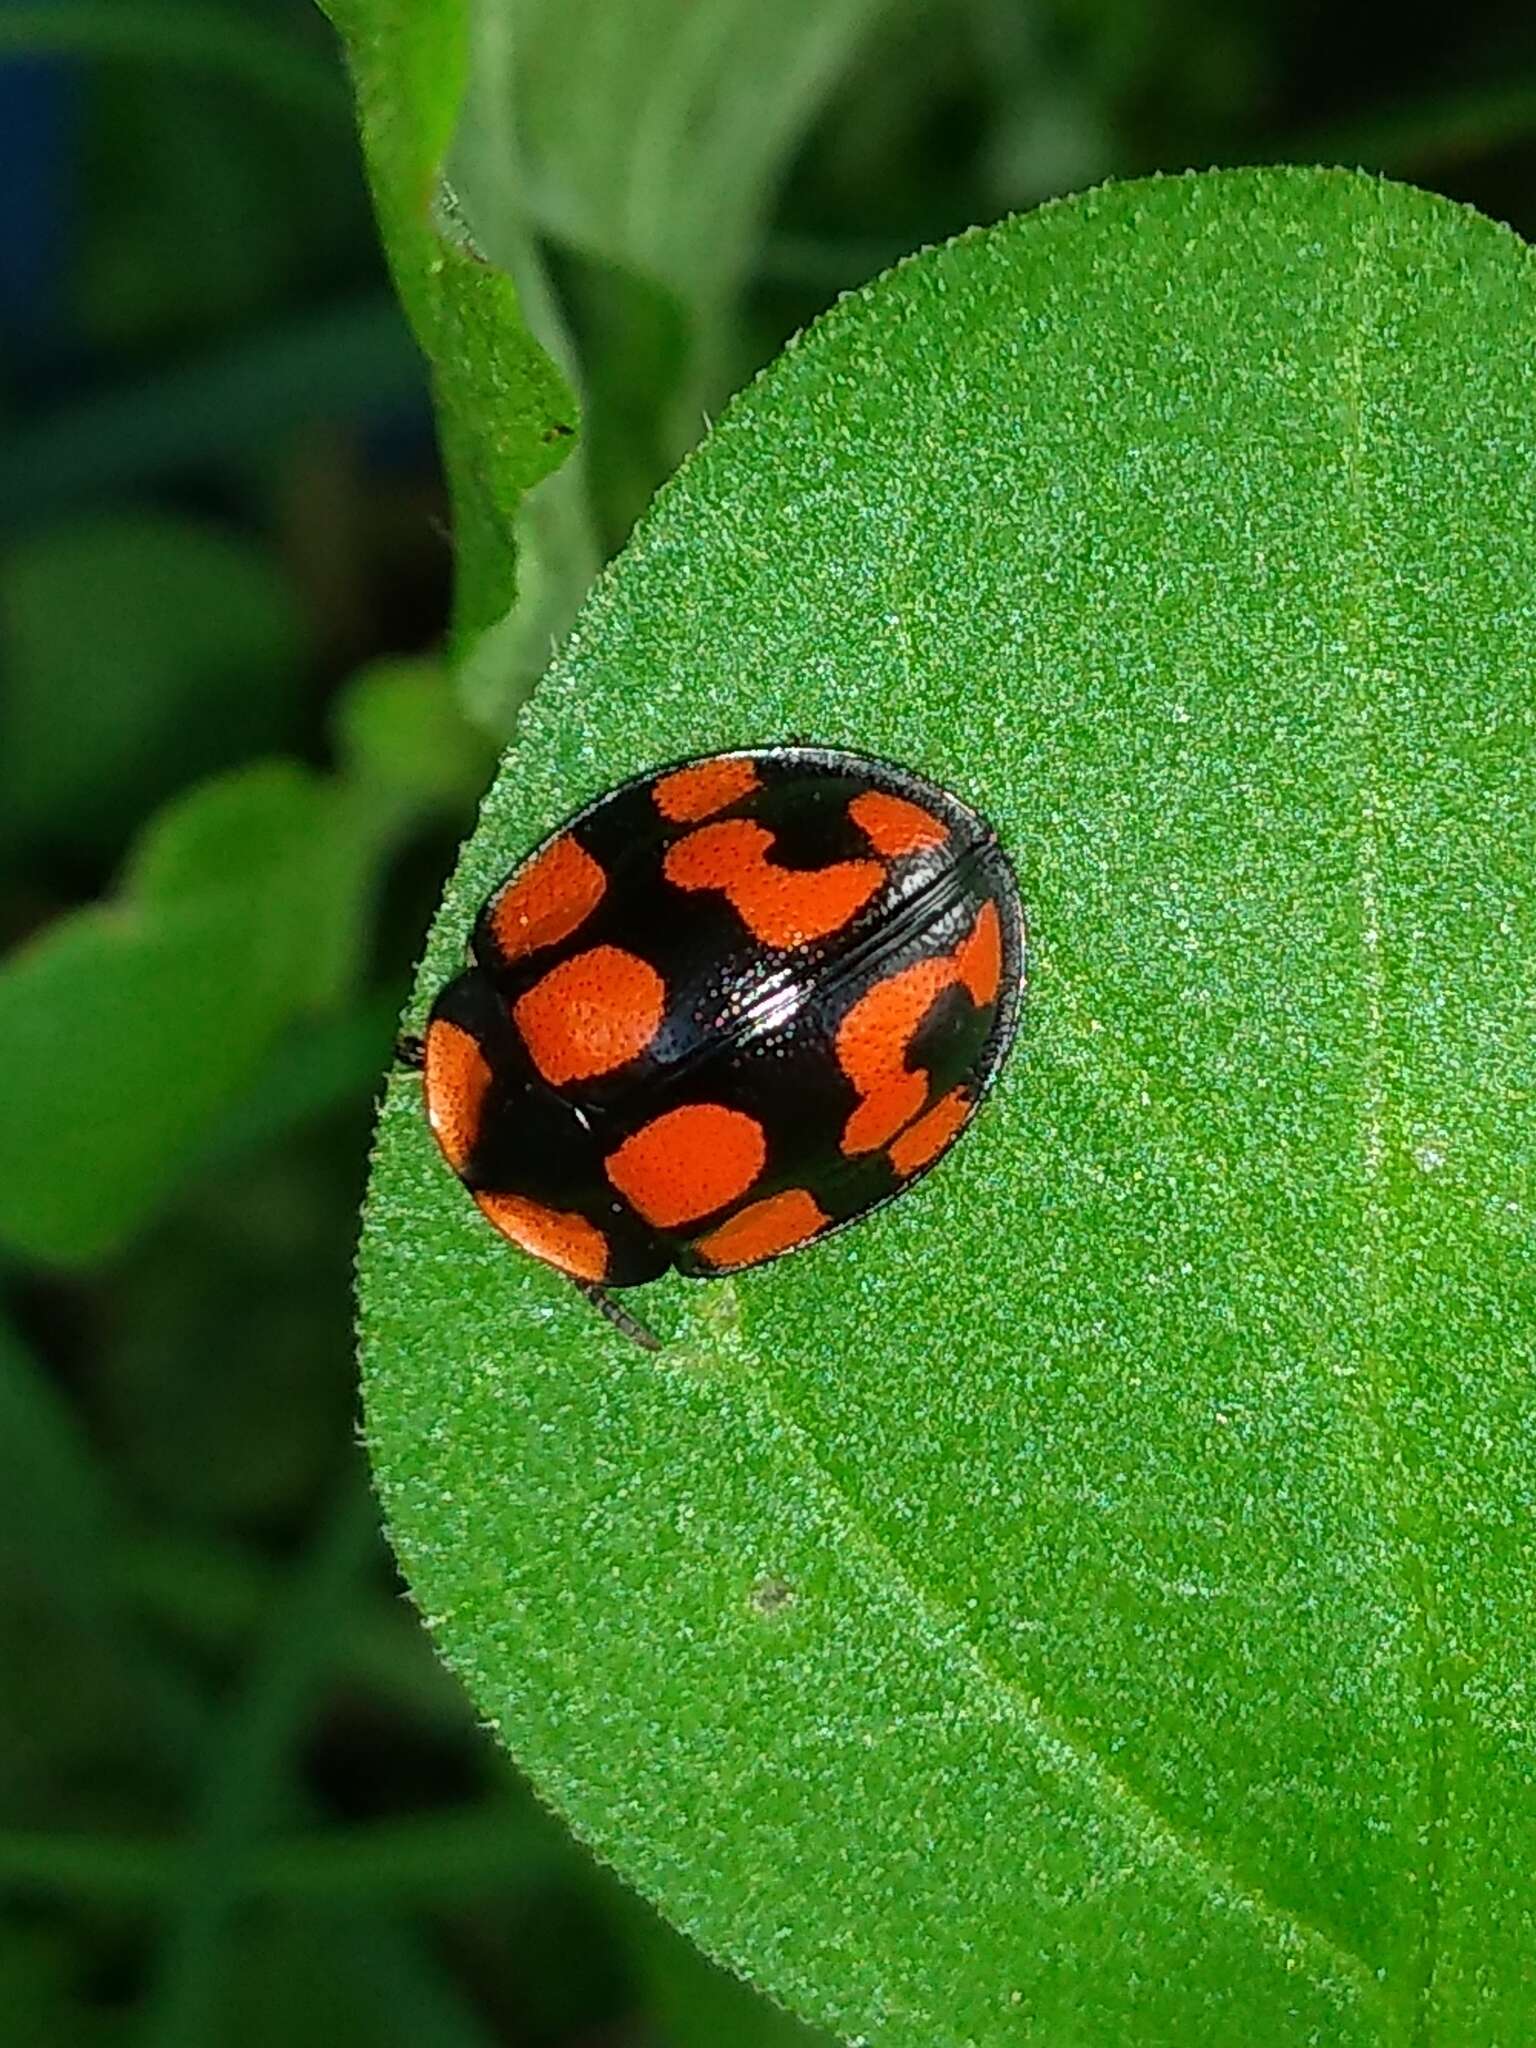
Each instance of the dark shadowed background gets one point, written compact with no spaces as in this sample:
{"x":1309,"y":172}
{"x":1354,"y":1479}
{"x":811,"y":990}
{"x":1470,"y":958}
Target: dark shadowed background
{"x":239,"y":1803}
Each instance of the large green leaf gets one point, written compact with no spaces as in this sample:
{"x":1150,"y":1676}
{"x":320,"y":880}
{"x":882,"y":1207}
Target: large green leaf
{"x":1145,"y":1498}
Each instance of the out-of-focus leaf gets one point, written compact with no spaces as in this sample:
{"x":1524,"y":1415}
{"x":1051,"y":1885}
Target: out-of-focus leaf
{"x":432,"y":1859}
{"x":334,"y":1974}
{"x":250,"y":1268}
{"x":413,"y":1996}
{"x":403,"y":740}
{"x":655,"y":136}
{"x":1446,"y":127}
{"x":287,"y":856}
{"x":45,"y":1992}
{"x":243,"y":1791}
{"x":135,"y":1022}
{"x":185,"y":35}
{"x":556,"y":561}
{"x":1145,"y":1497}
{"x":281,"y":1983}
{"x":139,"y":652}
{"x":266,"y":387}
{"x":53,"y":1511}
{"x":636,"y":338}
{"x":81,"y":1701}
{"x":211,"y":1594}
{"x":505,"y":415}
{"x":318,"y":1066}
{"x":202,"y":207}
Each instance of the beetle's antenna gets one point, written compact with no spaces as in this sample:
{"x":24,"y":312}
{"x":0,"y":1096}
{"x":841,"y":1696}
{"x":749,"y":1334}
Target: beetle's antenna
{"x":620,"y":1318}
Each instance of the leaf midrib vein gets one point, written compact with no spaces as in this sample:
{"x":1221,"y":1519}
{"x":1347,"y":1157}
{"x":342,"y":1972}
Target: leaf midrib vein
{"x":1066,"y":1748}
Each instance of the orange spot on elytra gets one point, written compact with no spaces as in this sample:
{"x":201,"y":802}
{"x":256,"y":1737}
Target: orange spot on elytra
{"x":880,"y":1116}
{"x":557,"y":1236}
{"x":689,"y":794}
{"x":546,"y":901}
{"x":783,"y":907}
{"x":454,"y":1077}
{"x":979,"y":956}
{"x":764,"y":1229}
{"x":931,"y":1133}
{"x":875,"y":1037}
{"x":687,"y":1162}
{"x":590,"y":1014}
{"x":893,"y":826}
{"x":717,"y":856}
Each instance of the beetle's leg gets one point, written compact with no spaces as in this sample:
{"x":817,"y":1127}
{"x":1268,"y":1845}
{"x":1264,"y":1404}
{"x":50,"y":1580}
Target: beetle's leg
{"x":620,"y":1318}
{"x":410,"y":1050}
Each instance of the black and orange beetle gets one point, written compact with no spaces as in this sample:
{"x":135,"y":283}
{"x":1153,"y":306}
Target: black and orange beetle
{"x":726,"y":1009}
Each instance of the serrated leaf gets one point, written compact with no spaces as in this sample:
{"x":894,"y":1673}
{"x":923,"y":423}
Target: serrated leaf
{"x":1144,"y":1499}
{"x":505,"y":415}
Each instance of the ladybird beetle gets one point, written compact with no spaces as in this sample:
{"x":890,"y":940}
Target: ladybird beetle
{"x":726,"y":1009}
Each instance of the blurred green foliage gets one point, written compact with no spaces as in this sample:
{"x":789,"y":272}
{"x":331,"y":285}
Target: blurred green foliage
{"x":238,"y":1801}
